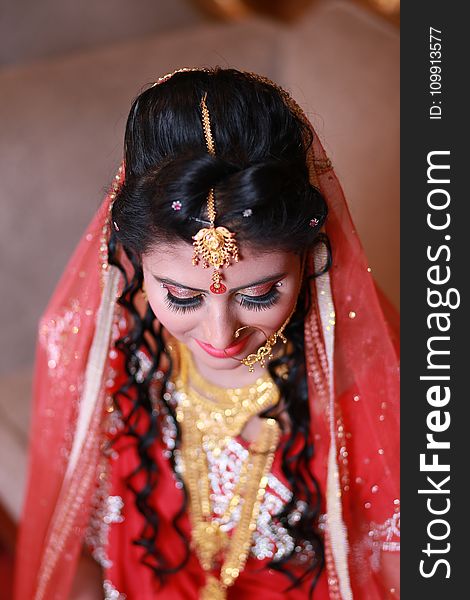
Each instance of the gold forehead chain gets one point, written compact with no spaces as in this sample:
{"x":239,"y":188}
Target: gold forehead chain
{"x":214,"y":246}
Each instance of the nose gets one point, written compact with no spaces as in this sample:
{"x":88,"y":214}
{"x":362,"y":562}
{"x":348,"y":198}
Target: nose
{"x":219,"y":325}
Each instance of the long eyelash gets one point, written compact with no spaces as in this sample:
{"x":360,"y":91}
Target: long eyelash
{"x":260,"y":302}
{"x":185,"y":305}
{"x":182,"y":305}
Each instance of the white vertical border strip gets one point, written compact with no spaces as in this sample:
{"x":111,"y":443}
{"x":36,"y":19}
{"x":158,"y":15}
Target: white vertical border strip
{"x":95,"y":364}
{"x":336,"y":526}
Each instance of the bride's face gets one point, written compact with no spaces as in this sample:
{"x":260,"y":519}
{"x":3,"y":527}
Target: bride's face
{"x":261,"y":292}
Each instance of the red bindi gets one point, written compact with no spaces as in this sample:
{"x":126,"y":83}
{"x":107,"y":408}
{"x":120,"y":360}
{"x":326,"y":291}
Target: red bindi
{"x":220,"y":289}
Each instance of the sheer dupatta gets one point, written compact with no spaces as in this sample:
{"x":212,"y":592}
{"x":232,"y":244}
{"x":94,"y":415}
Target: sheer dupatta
{"x":353,"y":389}
{"x":353,"y":374}
{"x":68,"y":403}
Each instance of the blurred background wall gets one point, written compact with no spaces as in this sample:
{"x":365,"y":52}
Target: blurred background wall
{"x":68,"y":73}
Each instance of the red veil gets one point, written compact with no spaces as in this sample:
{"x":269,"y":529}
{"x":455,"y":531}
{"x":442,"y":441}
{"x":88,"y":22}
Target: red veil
{"x":354,"y":398}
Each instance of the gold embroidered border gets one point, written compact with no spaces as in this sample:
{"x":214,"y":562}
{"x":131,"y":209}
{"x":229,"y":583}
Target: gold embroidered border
{"x":80,"y":473}
{"x":336,"y":527}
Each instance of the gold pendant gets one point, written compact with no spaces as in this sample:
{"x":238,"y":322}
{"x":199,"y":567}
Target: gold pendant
{"x":216,"y":247}
{"x":213,"y":590}
{"x":210,"y":541}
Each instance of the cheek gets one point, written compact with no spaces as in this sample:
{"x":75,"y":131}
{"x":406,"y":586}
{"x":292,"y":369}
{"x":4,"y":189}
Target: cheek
{"x":277,"y":314}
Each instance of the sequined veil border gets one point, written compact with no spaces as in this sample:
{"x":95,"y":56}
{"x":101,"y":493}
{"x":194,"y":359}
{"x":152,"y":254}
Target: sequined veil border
{"x":84,"y":454}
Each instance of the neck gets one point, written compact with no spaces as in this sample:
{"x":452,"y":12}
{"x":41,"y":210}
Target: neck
{"x":239,"y":376}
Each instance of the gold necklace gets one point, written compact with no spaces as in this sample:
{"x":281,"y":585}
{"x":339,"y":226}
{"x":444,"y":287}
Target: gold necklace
{"x":220,"y":414}
{"x":207,"y":427}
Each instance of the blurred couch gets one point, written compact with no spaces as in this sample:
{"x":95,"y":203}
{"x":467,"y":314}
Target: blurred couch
{"x":62,"y":123}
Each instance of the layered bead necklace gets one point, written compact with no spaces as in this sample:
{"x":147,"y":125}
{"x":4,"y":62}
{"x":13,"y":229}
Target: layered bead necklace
{"x":209,"y":417}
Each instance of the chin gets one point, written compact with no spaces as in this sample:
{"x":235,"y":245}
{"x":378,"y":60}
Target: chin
{"x":222,"y":364}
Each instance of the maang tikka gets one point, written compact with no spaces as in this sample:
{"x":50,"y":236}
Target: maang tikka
{"x":215,"y":246}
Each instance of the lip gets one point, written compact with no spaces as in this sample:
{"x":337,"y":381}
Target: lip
{"x":228,"y":352}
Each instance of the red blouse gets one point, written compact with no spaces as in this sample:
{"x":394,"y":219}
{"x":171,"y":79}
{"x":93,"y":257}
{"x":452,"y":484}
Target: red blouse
{"x":115,"y":523}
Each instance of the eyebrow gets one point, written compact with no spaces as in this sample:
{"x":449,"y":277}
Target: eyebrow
{"x":242,"y":287}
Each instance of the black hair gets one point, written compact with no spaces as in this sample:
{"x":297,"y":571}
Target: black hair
{"x":260,"y":166}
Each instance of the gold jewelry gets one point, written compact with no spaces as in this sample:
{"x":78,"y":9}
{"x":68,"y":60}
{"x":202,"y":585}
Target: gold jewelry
{"x":168,"y":76}
{"x":222,"y":413}
{"x":106,"y":229}
{"x":215,"y":246}
{"x":206,"y":427}
{"x":265,"y":352}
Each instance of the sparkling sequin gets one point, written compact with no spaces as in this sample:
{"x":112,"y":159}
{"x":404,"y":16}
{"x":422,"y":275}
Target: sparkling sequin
{"x":270,"y":539}
{"x":105,"y":508}
{"x":53,"y":334}
{"x":145,"y":364}
{"x":384,"y":537}
{"x":105,"y":511}
{"x":111,"y":593}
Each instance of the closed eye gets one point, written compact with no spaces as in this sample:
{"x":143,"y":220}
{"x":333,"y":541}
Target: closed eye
{"x":182,"y":305}
{"x":262,"y":302}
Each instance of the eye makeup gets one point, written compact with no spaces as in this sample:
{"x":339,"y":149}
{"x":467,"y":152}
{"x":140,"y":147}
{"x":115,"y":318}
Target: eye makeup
{"x":182,"y":305}
{"x":190,"y":303}
{"x":187,"y":302}
{"x":261,"y":302}
{"x":258,"y":286}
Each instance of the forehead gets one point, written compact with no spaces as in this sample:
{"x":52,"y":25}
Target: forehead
{"x":174,"y":261}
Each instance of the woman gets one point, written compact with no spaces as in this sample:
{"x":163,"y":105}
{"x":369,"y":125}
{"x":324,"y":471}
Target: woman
{"x":207,"y":435}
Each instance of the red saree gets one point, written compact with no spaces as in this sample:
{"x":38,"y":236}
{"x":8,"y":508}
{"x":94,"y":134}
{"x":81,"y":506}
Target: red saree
{"x":352,"y":372}
{"x":115,"y":523}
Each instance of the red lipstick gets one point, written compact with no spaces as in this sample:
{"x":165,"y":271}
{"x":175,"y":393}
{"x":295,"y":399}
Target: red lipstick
{"x":228,"y":352}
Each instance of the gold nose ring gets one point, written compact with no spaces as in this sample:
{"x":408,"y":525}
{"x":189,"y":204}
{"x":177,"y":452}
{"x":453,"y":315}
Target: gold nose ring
{"x":263,"y":353}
